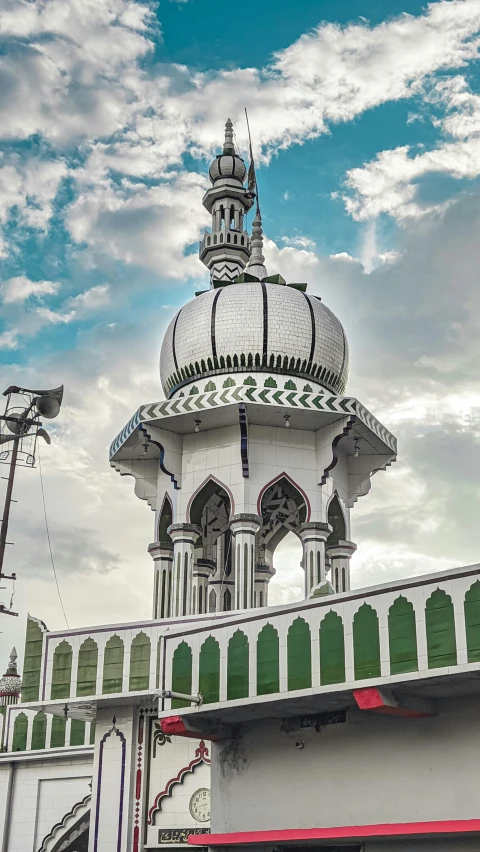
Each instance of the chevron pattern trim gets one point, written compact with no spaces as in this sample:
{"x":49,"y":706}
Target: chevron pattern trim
{"x":225,"y":271}
{"x":376,"y":427}
{"x":261,"y":396}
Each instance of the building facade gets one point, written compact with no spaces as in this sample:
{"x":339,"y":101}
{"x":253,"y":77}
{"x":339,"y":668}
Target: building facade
{"x":153,"y":734}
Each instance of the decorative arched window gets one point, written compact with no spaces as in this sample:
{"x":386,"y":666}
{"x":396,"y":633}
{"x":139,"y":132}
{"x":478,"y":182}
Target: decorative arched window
{"x":232,"y":216}
{"x":472,"y":622}
{"x":212,"y":601}
{"x":332,"y":649}
{"x":299,"y":655}
{"x":366,"y":643}
{"x":32,"y":661}
{"x":61,"y":671}
{"x":235,"y":239}
{"x":268,"y":661}
{"x":39,"y":730}
{"x":209,"y":671}
{"x":228,"y":238}
{"x":20,"y":731}
{"x":237,"y":666}
{"x":440,"y":628}
{"x":77,"y":732}
{"x":215,"y":239}
{"x":57,"y":733}
{"x":87,"y":668}
{"x":182,"y":673}
{"x":140,"y":650}
{"x":402,"y":637}
{"x":200,"y":600}
{"x":227,"y":600}
{"x":113,"y":665}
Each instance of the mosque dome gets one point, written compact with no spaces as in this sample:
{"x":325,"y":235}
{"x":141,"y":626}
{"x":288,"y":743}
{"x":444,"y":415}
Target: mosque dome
{"x":254,"y":327}
{"x":11,"y":682}
{"x":228,"y":165}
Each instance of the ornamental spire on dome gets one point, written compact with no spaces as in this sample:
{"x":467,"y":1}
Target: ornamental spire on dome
{"x":12,"y":666}
{"x":256,"y":264}
{"x":228,"y":147}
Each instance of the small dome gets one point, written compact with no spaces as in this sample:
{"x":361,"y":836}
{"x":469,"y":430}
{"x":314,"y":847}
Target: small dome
{"x":11,"y":682}
{"x":259,"y":327}
{"x":228,"y":166}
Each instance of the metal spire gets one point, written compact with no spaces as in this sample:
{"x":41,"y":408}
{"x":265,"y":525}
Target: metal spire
{"x":256,"y":264}
{"x":12,"y":666}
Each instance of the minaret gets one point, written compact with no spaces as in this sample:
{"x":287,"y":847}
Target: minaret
{"x":225,"y":250}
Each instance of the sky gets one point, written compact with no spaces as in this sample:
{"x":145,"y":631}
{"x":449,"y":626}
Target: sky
{"x":365,"y":119}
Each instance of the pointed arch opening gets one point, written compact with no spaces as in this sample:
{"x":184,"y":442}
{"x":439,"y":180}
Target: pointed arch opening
{"x":165,"y":519}
{"x":283,"y":508}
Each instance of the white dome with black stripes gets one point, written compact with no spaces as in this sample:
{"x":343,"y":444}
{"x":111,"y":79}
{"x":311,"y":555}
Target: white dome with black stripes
{"x":254,"y":327}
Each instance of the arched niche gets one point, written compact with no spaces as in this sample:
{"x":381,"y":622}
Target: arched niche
{"x":165,"y":519}
{"x":283,"y":507}
{"x":210,"y":509}
{"x":336,"y":519}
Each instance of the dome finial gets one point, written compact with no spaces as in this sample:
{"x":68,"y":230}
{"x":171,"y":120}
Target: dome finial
{"x":12,"y":666}
{"x":229,"y":147}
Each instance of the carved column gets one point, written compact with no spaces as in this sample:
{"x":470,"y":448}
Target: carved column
{"x":184,"y":537}
{"x":263,"y":575}
{"x":313,"y":536}
{"x":339,"y":555}
{"x":202,"y":571}
{"x":162,"y":555}
{"x":244,"y":528}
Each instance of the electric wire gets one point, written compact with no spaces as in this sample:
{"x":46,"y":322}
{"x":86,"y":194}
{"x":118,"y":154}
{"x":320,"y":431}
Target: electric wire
{"x":48,"y":537}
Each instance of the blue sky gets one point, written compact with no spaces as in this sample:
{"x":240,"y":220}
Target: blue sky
{"x":366,"y":128}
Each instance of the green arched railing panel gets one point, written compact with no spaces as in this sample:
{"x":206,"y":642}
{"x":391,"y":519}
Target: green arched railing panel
{"x":209,"y":671}
{"x":366,"y":643}
{"x":440,"y":628}
{"x":113,"y":665}
{"x":332,"y":649}
{"x":39,"y":730}
{"x":472,"y":622}
{"x":57,"y":734}
{"x":87,"y":668}
{"x":77,"y":732}
{"x":61,"y":671}
{"x":20,"y":731}
{"x":268,"y":661}
{"x":32,"y":662}
{"x":402,"y":637}
{"x":237,"y":666}
{"x":299,"y":655}
{"x":139,"y":663}
{"x":182,"y":673}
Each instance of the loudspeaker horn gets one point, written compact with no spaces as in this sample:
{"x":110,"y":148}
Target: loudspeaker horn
{"x":48,"y":402}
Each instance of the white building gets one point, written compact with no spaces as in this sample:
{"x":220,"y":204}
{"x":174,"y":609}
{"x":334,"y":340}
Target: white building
{"x":255,"y":439}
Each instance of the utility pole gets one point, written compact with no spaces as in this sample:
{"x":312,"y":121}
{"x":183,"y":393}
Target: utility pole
{"x":16,"y":426}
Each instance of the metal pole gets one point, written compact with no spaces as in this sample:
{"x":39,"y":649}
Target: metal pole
{"x":8,"y":500}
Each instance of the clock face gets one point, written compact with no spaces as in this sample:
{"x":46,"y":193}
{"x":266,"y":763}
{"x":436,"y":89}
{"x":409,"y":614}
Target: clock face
{"x":200,"y":805}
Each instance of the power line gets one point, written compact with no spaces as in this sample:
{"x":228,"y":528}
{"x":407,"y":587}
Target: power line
{"x":48,"y":537}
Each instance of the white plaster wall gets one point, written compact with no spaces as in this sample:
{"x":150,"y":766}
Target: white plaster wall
{"x":371,"y":770}
{"x":43,"y":792}
{"x":216,"y":453}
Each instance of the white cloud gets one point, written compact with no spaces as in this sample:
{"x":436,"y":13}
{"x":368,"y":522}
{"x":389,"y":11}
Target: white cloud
{"x":9,"y":339}
{"x":299,"y":242}
{"x":20,"y":288}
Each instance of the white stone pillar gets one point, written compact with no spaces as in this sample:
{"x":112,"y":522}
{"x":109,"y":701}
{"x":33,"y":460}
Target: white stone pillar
{"x":184,"y":537}
{"x":263,"y":575}
{"x":340,"y":555}
{"x":162,"y":555}
{"x":202,"y":571}
{"x":244,"y":528}
{"x":313,"y":536}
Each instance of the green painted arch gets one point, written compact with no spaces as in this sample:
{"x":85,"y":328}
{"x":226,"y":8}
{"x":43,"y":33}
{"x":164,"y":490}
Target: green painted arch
{"x":182,"y":673}
{"x":20,"y":732}
{"x":209,"y":671}
{"x":113,"y":665}
{"x":62,"y":671}
{"x":87,"y":667}
{"x":366,"y":643}
{"x":440,"y":630}
{"x":237,"y":666}
{"x":77,"y":732}
{"x":268,"y":661}
{"x":32,"y":661}
{"x":332,"y":649}
{"x":472,"y":622}
{"x":58,"y":731}
{"x":299,"y":655}
{"x":140,"y":651}
{"x":39,"y":731}
{"x":402,"y":637}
